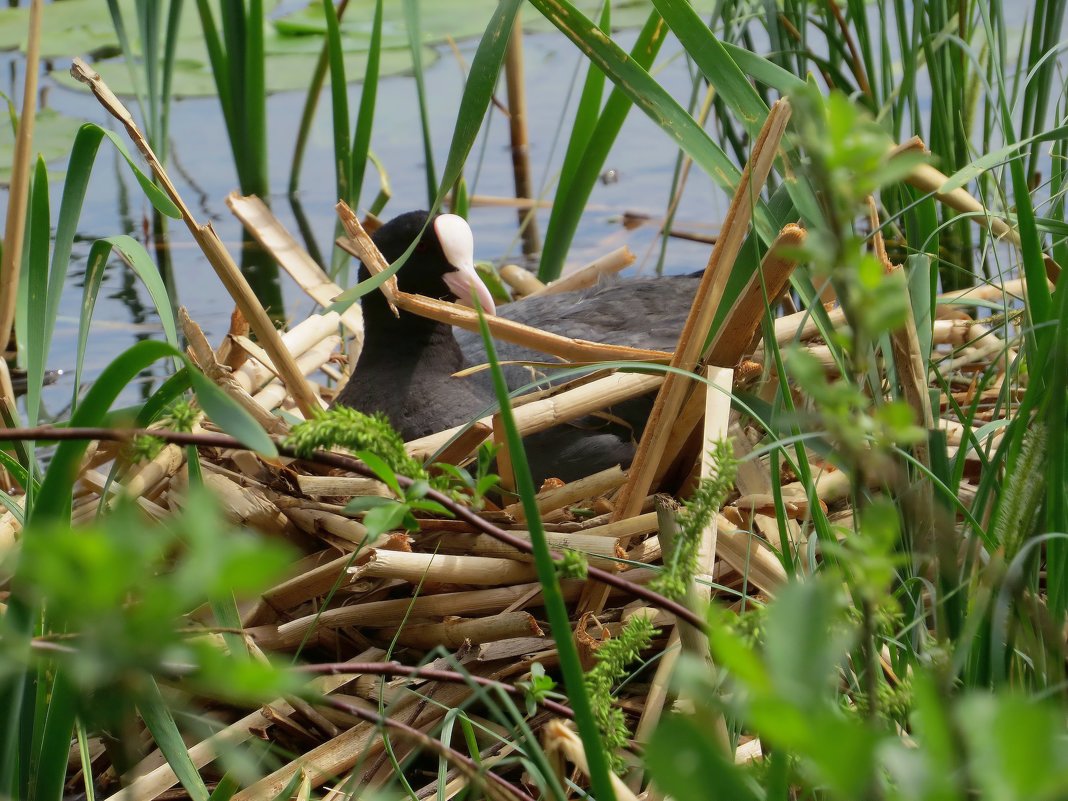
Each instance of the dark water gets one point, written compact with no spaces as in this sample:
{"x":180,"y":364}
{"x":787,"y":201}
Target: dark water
{"x":200,"y":164}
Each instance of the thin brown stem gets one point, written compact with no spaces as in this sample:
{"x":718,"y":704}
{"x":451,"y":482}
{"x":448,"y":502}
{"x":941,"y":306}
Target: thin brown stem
{"x":342,"y":462}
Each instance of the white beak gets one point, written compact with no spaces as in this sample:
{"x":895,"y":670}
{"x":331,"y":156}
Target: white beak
{"x":458,"y":245}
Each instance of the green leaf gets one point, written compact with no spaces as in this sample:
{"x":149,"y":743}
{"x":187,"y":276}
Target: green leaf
{"x":137,"y":258}
{"x":382,"y":470}
{"x":687,"y":764}
{"x":226,"y":413}
{"x":363,"y":503}
{"x":165,"y":732}
{"x":1017,"y":747}
{"x":385,"y":518}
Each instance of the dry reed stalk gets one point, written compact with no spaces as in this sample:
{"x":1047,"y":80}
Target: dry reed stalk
{"x":254,"y":375}
{"x":655,"y":699}
{"x":96,"y":481}
{"x":626,"y":529}
{"x":1014,"y":289}
{"x":18,"y":190}
{"x":589,"y":274}
{"x":830,"y":486}
{"x":361,"y":246}
{"x":154,"y":779}
{"x":521,"y":280}
{"x":308,"y":581}
{"x":732,"y":340}
{"x":748,"y":752}
{"x":320,"y":764}
{"x":351,"y":533}
{"x":431,"y":568}
{"x":204,"y":357}
{"x":601,"y":551}
{"x":341,"y":486}
{"x":909,"y":363}
{"x":497,"y":202}
{"x":141,"y":478}
{"x":555,"y":498}
{"x":272,"y":395}
{"x":515,"y":88}
{"x":742,"y":322}
{"x":647,"y":551}
{"x":455,"y":632}
{"x":273,"y":237}
{"x":539,"y":415}
{"x":467,"y":602}
{"x":754,"y":483}
{"x":466,"y":443}
{"x":9,"y":529}
{"x":929,"y":179}
{"x":693,"y":640}
{"x":691,"y":341}
{"x":750,"y":556}
{"x":561,"y":743}
{"x":235,"y":282}
{"x":244,"y":505}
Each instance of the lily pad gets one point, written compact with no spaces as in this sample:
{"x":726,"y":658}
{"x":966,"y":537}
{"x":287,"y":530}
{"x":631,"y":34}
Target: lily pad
{"x":285,"y":73}
{"x":292,"y":41}
{"x":53,"y":134}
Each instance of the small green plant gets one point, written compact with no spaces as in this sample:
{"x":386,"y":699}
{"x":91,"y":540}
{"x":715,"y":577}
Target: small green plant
{"x":374,"y":441}
{"x":698,"y":513}
{"x":614,"y":658}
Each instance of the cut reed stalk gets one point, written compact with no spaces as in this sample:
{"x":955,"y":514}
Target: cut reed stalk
{"x":235,"y":282}
{"x":18,"y":189}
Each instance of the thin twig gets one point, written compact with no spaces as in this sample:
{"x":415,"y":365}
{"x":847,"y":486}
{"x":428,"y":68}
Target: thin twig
{"x":342,"y":462}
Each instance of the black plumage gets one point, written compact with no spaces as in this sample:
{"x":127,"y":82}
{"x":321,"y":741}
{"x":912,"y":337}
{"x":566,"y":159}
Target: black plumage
{"x":407,"y":364}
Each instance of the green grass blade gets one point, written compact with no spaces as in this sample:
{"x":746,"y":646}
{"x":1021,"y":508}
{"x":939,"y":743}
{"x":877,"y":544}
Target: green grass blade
{"x":1057,"y":465}
{"x":55,"y":503}
{"x":361,"y":142}
{"x":56,"y":709}
{"x":339,"y":98}
{"x":552,"y":596}
{"x":37,"y":243}
{"x":415,"y":43}
{"x":481,"y":81}
{"x":589,"y":109}
{"x":715,"y":63}
{"x":474,"y":103}
{"x":229,"y":416}
{"x":255,"y":91}
{"x":170,"y":49}
{"x":654,"y":100}
{"x":220,"y":68}
{"x":580,"y":176}
{"x":55,"y":495}
{"x":135,"y":255}
{"x":128,"y":55}
{"x":165,"y":732}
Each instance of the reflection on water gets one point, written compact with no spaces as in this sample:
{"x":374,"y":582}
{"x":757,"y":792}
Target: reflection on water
{"x":200,"y":166}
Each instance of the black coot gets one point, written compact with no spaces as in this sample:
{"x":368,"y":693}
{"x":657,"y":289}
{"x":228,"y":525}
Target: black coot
{"x":407,"y":364}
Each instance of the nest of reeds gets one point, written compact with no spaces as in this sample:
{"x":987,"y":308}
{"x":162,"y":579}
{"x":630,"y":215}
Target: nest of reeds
{"x":415,"y":623}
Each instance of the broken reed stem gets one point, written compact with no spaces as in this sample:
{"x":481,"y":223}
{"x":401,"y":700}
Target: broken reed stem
{"x":517,"y":127}
{"x":18,"y":192}
{"x":235,"y":282}
{"x":579,"y":350}
{"x":342,"y":462}
{"x":691,"y":341}
{"x":590,"y":274}
{"x":265,"y":227}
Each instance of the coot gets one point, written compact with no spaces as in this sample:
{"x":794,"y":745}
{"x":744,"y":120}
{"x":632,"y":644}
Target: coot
{"x":407,"y":364}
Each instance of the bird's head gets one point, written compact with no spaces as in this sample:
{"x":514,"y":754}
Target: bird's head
{"x":443,"y":263}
